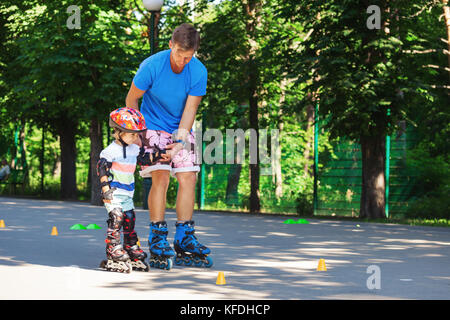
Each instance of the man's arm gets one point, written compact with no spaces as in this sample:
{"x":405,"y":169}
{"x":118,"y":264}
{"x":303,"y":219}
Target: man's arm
{"x":188,"y":117}
{"x":133,"y":96}
{"x":185,"y":126}
{"x":132,"y":101}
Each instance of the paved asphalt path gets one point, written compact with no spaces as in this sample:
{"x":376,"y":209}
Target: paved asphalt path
{"x":261,"y":257}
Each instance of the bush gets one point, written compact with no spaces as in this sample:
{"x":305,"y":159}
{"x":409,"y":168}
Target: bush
{"x":305,"y":205}
{"x":430,"y":207}
{"x":432,"y":185}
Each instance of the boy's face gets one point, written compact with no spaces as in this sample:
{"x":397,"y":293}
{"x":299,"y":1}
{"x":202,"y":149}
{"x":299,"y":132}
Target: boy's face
{"x":129,"y":138}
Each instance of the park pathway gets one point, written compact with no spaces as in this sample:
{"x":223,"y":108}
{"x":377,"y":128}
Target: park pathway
{"x":261,"y":257}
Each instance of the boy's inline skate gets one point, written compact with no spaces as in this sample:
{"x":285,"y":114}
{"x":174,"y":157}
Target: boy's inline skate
{"x":160,"y":251}
{"x":189,"y":250}
{"x":130,"y":239}
{"x":117,"y":257}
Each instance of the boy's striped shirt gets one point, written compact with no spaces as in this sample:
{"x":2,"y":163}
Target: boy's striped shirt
{"x":122,"y":168}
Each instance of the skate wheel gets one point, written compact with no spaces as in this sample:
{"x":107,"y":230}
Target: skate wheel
{"x":140,"y":266}
{"x":103,"y":264}
{"x":188,"y":262}
{"x":169,"y":264}
{"x":129,"y":266}
{"x":209,"y":262}
{"x":197,"y":262}
{"x":178,"y":261}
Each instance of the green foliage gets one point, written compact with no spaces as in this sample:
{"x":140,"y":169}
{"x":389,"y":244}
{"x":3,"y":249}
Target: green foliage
{"x":433,"y":183}
{"x":301,"y":51}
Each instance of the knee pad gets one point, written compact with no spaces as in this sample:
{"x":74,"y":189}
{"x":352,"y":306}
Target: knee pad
{"x":129,"y":218}
{"x":115,"y":220}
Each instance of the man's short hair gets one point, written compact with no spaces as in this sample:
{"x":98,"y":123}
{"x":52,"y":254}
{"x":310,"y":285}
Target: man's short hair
{"x":186,"y":36}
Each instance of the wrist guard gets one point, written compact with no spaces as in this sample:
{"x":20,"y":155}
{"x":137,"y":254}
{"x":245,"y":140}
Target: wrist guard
{"x":147,"y":158}
{"x":108,"y":195}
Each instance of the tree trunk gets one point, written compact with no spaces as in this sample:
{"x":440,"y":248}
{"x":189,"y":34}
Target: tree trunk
{"x":447,"y":25}
{"x":234,"y":175}
{"x":96,"y":136}
{"x":233,"y":182}
{"x":56,"y":169}
{"x":68,"y":160}
{"x":42,"y":160}
{"x":373,"y":149}
{"x":277,"y":162}
{"x":310,"y":137}
{"x":277,"y":177}
{"x":23,"y":149}
{"x":255,"y":202}
{"x":252,"y":13}
{"x":373,"y":178}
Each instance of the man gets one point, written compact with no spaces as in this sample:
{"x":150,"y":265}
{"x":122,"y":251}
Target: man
{"x":172,"y":83}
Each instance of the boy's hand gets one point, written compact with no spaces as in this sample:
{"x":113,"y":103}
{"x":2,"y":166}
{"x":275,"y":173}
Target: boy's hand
{"x":108,"y":195}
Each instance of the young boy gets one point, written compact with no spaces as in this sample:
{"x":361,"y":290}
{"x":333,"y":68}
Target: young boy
{"x":116,"y":171}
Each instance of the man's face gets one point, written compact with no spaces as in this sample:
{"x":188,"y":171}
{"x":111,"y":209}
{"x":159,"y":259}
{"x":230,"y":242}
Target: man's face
{"x":179,"y":57}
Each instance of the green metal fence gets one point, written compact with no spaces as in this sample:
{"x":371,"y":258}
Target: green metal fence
{"x":339,"y":189}
{"x":338,"y":183}
{"x":337,"y":178}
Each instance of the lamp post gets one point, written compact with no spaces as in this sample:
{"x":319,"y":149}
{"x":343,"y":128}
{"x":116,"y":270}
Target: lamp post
{"x":153,"y":6}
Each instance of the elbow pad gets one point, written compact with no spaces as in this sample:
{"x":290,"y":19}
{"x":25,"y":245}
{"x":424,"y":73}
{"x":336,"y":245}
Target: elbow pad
{"x":103,"y":168}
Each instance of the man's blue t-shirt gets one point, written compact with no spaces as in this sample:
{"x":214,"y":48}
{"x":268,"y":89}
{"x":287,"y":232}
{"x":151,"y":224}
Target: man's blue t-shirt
{"x":166,"y":91}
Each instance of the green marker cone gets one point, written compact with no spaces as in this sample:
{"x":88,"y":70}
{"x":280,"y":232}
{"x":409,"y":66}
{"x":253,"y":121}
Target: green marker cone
{"x":93,"y":226}
{"x":290,"y":221}
{"x":302,"y":221}
{"x":77,"y":227}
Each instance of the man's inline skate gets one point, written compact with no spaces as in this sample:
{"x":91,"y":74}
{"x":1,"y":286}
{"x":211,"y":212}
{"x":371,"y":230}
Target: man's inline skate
{"x":130,"y":239}
{"x":160,"y":251}
{"x":189,"y":250}
{"x":117,"y":257}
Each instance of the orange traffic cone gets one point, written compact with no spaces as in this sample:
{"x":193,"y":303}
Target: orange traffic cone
{"x":2,"y":224}
{"x":220,"y":279}
{"x":322,"y":266}
{"x":54,"y":231}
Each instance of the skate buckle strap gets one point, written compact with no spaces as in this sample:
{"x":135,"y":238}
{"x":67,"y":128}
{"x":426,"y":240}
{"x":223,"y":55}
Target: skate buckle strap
{"x":159,"y":228}
{"x":117,"y":247}
{"x":161,"y":232}
{"x":135,"y":247}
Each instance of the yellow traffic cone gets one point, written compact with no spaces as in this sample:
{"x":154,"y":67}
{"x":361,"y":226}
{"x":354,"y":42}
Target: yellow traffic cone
{"x":322,"y":266}
{"x":220,"y":279}
{"x":54,"y":231}
{"x":2,"y":224}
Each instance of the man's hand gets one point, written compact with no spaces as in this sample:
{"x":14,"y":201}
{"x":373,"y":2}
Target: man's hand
{"x":172,"y":150}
